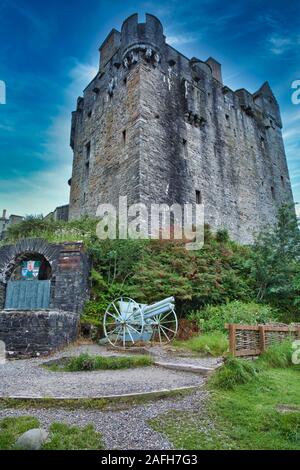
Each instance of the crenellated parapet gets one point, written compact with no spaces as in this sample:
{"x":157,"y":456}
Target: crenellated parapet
{"x":262,"y":105}
{"x":147,"y":36}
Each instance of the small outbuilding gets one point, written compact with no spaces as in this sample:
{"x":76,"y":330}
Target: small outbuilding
{"x":43,"y":288}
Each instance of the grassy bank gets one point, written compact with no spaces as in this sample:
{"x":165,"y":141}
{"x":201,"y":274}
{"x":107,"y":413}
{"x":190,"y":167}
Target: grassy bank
{"x":212,"y":344}
{"x":86,"y":362}
{"x":262,"y":414}
{"x":252,"y":405}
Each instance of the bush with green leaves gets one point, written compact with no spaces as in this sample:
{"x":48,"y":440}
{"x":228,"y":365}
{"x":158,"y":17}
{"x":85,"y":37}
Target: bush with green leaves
{"x":102,"y":294}
{"x":214,"y":317}
{"x":54,"y":231}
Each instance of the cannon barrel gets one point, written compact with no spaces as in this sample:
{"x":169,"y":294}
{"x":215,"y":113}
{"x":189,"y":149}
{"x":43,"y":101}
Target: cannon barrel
{"x":159,"y":310}
{"x":151,"y":307}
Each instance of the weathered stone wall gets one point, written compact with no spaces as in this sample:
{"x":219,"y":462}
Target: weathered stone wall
{"x":157,"y":127}
{"x":34,"y":333}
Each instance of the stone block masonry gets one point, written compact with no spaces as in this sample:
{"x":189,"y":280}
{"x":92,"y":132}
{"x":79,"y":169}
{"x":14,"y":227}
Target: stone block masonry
{"x":35,"y":333}
{"x":158,"y":127}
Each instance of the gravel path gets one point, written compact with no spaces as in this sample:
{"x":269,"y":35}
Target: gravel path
{"x":124,"y":430}
{"x":175,"y":356}
{"x":25,"y":378}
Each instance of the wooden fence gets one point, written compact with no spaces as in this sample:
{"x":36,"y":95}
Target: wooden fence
{"x":252,"y":340}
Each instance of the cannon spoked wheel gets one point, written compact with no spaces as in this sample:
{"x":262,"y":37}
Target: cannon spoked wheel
{"x":123,"y":322}
{"x":164,"y":326}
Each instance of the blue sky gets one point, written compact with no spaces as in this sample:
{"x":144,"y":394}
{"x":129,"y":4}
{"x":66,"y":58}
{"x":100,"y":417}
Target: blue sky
{"x":49,"y":52}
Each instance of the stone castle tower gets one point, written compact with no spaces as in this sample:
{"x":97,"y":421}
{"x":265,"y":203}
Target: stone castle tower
{"x":158,"y":127}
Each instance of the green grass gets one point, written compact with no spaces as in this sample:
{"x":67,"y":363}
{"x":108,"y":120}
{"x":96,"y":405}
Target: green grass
{"x":64,"y":437}
{"x":278,"y":355}
{"x":263,"y":413}
{"x":12,"y":428}
{"x":86,"y":362}
{"x":234,"y":372}
{"x":61,"y":436}
{"x":213,"y":344}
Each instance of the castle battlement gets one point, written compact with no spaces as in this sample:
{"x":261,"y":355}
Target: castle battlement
{"x":159,"y":127}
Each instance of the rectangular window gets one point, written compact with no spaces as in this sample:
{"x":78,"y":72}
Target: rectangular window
{"x":198,"y":197}
{"x":87,"y":168}
{"x":273,"y":192}
{"x":227,"y":117}
{"x":185,"y":148}
{"x":88,"y":150}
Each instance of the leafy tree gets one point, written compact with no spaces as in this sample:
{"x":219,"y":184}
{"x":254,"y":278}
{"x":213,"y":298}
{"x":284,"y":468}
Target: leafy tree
{"x":276,"y":262}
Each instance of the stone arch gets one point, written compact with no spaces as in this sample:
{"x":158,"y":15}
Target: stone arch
{"x":9,"y":255}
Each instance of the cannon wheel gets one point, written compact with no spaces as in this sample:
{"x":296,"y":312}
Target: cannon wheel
{"x":165,"y":326}
{"x":119,"y":326}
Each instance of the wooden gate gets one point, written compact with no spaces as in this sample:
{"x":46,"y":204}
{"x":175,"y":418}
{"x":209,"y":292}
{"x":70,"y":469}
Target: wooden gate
{"x":27,"y":295}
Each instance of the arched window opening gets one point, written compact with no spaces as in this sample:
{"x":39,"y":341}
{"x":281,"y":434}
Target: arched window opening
{"x":31,"y":266}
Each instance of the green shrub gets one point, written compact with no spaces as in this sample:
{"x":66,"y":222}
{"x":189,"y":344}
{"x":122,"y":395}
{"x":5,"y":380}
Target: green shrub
{"x":213,"y":344}
{"x":54,"y":231}
{"x":278,"y":355}
{"x":86,"y":362}
{"x":103,"y":293}
{"x":215,"y":317}
{"x":222,"y":236}
{"x":234,"y":372}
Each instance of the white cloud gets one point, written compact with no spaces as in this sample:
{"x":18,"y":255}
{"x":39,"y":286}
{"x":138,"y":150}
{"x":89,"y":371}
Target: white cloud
{"x":180,"y":39}
{"x":40,"y":192}
{"x":279,"y":44}
{"x":291,"y":133}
